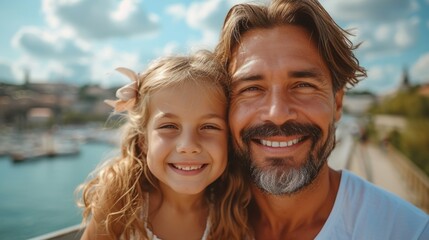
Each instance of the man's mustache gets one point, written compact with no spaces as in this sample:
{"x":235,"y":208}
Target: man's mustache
{"x":289,"y":128}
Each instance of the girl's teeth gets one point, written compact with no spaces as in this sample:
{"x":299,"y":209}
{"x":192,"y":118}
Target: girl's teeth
{"x":276,"y":144}
{"x":188,"y":168}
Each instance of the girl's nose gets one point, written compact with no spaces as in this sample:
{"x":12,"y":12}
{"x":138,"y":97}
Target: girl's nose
{"x":188,"y":144}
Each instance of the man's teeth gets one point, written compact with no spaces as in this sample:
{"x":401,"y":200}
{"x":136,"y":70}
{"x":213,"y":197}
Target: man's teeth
{"x":279,"y":144}
{"x":187,"y":167}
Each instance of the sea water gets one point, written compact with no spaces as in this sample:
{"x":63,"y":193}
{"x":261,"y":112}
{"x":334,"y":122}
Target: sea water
{"x":37,"y":196}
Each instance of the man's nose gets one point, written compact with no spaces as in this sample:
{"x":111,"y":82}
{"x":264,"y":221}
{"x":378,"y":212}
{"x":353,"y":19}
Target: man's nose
{"x":188,"y":143}
{"x":279,"y":108}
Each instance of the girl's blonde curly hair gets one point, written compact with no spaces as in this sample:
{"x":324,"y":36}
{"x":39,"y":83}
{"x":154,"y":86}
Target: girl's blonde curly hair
{"x":116,"y":195}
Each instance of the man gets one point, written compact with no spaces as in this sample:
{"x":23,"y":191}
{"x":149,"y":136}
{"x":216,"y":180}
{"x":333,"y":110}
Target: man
{"x":289,"y":64}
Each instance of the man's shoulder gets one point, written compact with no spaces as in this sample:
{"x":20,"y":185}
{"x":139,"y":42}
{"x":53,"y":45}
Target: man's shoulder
{"x":370,"y":196}
{"x":364,"y":209}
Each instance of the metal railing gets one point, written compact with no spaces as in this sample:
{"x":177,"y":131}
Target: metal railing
{"x":415,"y":178}
{"x":70,"y":233}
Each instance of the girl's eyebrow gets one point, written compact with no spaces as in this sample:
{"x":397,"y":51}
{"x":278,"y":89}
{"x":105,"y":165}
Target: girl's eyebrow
{"x":164,"y":115}
{"x":172,"y":116}
{"x":214,"y":115}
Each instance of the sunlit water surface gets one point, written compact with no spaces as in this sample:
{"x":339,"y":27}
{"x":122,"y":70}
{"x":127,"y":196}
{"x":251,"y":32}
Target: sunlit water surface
{"x":38,"y":196}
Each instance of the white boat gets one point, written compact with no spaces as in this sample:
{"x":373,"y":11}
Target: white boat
{"x":45,"y":145}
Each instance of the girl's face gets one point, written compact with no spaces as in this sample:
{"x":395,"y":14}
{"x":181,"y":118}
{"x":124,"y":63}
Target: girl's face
{"x":187,"y":138}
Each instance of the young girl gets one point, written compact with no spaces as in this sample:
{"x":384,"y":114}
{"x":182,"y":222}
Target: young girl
{"x":173,"y":179}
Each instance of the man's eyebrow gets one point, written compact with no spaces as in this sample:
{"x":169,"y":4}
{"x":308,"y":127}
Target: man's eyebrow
{"x":307,"y":73}
{"x":304,"y":73}
{"x":246,"y":77}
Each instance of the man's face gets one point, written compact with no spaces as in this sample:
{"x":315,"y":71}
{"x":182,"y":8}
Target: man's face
{"x":283,"y":109}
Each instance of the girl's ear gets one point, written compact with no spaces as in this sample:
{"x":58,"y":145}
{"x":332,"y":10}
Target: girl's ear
{"x":144,"y":145}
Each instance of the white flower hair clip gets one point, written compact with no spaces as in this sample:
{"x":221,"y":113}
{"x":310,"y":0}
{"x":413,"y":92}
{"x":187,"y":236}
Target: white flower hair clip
{"x":127,"y":94}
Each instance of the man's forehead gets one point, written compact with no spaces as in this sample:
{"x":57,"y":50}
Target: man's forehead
{"x":245,"y":66}
{"x":247,"y":40}
{"x":283,"y":48}
{"x":244,"y":54}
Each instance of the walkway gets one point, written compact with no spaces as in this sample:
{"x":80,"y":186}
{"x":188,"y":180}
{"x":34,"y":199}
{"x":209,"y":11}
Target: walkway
{"x":384,"y":167}
{"x":376,"y":165}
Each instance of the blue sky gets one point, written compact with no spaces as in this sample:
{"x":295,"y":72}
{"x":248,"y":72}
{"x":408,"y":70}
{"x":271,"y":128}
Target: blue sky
{"x":82,"y":41}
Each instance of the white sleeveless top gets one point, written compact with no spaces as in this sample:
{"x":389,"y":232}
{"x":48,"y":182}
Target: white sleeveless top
{"x":154,"y":237}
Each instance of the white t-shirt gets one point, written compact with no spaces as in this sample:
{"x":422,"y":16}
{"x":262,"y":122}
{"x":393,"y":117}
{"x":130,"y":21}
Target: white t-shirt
{"x":364,"y":211}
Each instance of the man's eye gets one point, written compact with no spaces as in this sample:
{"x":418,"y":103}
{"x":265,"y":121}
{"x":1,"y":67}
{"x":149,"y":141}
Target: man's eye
{"x":248,"y":89}
{"x":251,"y":89}
{"x":304,"y":84}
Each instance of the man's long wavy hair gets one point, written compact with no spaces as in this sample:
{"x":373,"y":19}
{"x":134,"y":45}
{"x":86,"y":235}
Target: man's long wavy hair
{"x":116,"y":195}
{"x":332,"y":41}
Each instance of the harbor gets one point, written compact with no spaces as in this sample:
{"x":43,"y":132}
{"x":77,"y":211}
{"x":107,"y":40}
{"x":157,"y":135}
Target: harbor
{"x":39,"y":144}
{"x":38,"y":194}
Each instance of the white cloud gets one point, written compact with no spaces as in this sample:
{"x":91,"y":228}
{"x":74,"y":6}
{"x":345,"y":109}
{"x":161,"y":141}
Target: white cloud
{"x":208,"y":41}
{"x":59,"y":53}
{"x":387,"y":38}
{"x":51,"y":56}
{"x":39,"y":71}
{"x":125,"y":8}
{"x":177,"y":10}
{"x":48,"y":45}
{"x":77,"y":73}
{"x":99,"y":19}
{"x":384,"y":26}
{"x":171,"y":48}
{"x":204,"y":16}
{"x":106,"y":60}
{"x":207,"y":15}
{"x":379,"y":10}
{"x":6,"y":74}
{"x":420,"y":70}
{"x":406,"y":32}
{"x":381,"y":78}
{"x":47,"y":64}
{"x":44,"y":71}
{"x":233,"y":2}
{"x":383,"y":33}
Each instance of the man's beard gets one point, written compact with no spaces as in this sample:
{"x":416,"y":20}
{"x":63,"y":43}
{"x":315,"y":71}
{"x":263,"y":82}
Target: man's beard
{"x":276,"y":177}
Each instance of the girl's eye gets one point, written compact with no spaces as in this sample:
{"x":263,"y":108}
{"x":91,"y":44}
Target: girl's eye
{"x":168,"y":126}
{"x":211,"y":127}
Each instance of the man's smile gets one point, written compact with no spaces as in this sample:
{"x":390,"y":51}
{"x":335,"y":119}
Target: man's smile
{"x":277,"y":144}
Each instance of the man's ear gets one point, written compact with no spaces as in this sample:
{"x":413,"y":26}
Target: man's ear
{"x":339,"y":104}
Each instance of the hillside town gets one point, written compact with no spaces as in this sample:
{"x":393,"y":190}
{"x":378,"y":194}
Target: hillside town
{"x":45,"y":104}
{"x":51,"y":119}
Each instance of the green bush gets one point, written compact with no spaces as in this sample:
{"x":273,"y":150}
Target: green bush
{"x":414,"y":140}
